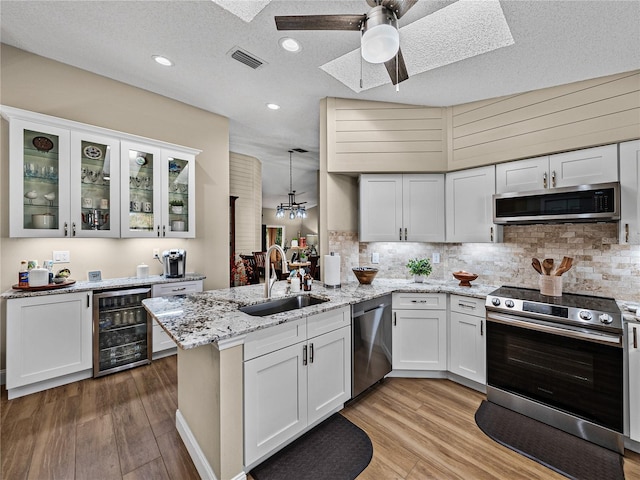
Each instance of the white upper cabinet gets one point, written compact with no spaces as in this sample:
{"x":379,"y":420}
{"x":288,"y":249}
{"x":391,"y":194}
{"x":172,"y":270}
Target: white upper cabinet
{"x":95,"y":185}
{"x":579,"y":167}
{"x":401,"y":207}
{"x":469,"y":205}
{"x":39,"y":193}
{"x":630,"y":192}
{"x":69,"y":179}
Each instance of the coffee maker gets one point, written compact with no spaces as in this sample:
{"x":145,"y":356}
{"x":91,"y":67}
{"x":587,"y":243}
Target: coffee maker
{"x":175,"y":263}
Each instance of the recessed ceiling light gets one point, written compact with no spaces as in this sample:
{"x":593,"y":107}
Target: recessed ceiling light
{"x":163,"y":60}
{"x":290,"y":44}
{"x":273,"y":106}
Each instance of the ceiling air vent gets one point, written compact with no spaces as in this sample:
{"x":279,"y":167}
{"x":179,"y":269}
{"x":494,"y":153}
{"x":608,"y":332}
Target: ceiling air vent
{"x":245,"y":57}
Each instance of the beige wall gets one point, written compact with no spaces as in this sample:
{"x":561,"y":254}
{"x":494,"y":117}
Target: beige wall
{"x":245,"y":182}
{"x":38,"y":84}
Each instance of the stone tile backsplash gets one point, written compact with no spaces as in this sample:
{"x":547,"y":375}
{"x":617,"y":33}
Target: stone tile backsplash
{"x":601,"y":266}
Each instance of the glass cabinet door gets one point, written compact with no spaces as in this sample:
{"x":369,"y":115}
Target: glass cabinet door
{"x":140,"y":185}
{"x":39,"y":180}
{"x":95,"y":177}
{"x":178,"y":194}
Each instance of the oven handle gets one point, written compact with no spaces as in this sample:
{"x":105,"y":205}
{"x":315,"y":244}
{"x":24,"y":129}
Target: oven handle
{"x":614,"y":340}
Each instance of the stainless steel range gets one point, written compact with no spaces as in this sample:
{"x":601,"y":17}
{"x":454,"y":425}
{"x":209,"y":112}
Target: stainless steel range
{"x":558,"y":360}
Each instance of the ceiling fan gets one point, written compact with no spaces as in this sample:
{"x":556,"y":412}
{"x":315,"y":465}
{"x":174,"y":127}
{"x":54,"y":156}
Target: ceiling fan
{"x":380,"y":40}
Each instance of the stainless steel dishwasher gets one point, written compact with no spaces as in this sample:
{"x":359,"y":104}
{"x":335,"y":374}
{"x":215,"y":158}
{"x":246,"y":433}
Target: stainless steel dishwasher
{"x":371,"y":342}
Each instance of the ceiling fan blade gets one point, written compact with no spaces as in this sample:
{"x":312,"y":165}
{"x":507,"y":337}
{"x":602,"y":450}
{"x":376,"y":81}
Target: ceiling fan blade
{"x":399,"y":7}
{"x":399,"y":75}
{"x":320,"y":22}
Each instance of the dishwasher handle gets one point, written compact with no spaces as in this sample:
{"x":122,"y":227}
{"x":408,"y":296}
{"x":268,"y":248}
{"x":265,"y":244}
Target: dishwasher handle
{"x":365,"y":312}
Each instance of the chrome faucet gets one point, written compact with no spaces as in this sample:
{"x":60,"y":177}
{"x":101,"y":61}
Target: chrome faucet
{"x":268,"y":279}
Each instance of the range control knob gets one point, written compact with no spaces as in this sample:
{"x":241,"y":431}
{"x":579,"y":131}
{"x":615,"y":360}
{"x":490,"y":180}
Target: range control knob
{"x":509,"y":303}
{"x":495,"y":301}
{"x":585,"y":315}
{"x":606,"y":318}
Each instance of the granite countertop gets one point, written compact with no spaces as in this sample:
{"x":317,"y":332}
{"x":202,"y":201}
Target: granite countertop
{"x":108,"y":284}
{"x":630,"y":311}
{"x":213,"y":316}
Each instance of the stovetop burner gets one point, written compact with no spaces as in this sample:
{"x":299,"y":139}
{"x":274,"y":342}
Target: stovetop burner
{"x":587,"y":311}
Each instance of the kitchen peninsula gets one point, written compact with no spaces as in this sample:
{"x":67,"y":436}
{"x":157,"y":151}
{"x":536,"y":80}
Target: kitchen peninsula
{"x":211,"y":332}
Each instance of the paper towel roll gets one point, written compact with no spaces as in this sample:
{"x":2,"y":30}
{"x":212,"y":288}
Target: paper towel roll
{"x":331,"y":270}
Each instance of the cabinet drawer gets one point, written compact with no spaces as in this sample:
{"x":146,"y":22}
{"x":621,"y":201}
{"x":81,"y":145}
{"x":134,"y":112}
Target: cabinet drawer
{"x":420,"y":301}
{"x":176,"y":288}
{"x":468,"y":305}
{"x":328,"y":321}
{"x":274,"y":338}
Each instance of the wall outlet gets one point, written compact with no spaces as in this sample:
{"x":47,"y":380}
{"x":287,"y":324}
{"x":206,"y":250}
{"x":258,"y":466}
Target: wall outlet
{"x":375,"y":257}
{"x":61,"y":256}
{"x":156,"y":253}
{"x":435,"y":257}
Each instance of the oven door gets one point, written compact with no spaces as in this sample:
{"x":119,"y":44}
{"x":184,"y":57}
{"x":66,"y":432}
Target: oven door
{"x":574,"y":370}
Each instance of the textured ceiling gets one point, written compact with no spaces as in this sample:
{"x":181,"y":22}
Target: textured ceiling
{"x":553,"y":42}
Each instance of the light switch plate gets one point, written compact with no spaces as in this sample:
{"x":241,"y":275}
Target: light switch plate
{"x":61,"y":256}
{"x":375,"y":257}
{"x":435,"y":257}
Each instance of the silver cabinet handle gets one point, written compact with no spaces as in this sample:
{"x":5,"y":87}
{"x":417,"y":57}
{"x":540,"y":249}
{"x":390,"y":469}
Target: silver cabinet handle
{"x":418,"y":301}
{"x":158,"y":230}
{"x":304,"y":355}
{"x":467,"y":305}
{"x":491,"y":234}
{"x":405,"y":234}
{"x":164,"y":233}
{"x":481,"y":328}
{"x":395,"y":319}
{"x":66,"y":229}
{"x":178,"y":289}
{"x":311,"y":353}
{"x":73,"y":229}
{"x":635,"y":338}
{"x":400,"y":233}
{"x":544,"y":180}
{"x":553,"y":179}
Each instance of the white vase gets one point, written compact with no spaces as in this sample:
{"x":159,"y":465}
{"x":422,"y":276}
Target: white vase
{"x":418,"y":278}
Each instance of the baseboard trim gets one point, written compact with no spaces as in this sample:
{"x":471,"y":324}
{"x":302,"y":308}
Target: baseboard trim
{"x":196,"y":453}
{"x":47,"y":384}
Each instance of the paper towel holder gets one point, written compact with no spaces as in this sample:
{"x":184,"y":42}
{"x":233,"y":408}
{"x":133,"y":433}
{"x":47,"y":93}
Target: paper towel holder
{"x":326,"y":285}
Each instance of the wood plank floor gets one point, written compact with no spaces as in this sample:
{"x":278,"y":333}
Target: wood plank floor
{"x":123,"y":427}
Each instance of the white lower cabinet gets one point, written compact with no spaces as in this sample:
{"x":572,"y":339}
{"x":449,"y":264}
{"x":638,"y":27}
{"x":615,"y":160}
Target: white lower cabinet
{"x":419,"y":338}
{"x":633,"y":336}
{"x":48,"y":341}
{"x":290,"y":384}
{"x":162,"y":344}
{"x":467,"y":340}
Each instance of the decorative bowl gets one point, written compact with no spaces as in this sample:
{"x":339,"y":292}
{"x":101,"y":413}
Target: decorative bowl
{"x":365,"y":275}
{"x":465,"y":278}
{"x":59,"y":279}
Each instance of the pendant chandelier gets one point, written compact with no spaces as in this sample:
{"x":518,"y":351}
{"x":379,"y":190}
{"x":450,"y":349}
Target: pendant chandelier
{"x":295,"y":209}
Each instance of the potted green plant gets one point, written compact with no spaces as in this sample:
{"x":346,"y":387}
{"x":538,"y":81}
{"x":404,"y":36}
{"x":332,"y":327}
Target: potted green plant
{"x":420,"y":268}
{"x":176,"y":206}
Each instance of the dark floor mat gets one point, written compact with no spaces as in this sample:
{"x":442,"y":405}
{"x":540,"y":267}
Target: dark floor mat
{"x":567,"y":454}
{"x":336,"y":449}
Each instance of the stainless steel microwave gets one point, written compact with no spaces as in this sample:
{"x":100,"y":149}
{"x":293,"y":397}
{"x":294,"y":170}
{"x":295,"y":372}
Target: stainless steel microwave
{"x":582,"y":203}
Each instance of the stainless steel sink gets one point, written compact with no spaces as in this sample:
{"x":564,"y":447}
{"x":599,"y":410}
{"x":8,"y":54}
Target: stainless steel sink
{"x":280,"y":305}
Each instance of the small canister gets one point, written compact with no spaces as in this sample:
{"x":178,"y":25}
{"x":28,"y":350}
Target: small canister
{"x":142,"y":271}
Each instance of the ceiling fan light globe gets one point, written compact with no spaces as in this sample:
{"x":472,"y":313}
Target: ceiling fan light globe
{"x":380,"y":43}
{"x":292,"y":215}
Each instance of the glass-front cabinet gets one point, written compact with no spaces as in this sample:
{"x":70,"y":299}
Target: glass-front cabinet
{"x":158,"y":196}
{"x":95,"y":181}
{"x":140,"y":209}
{"x":69,"y":179}
{"x":178,"y":179}
{"x":39,"y":180}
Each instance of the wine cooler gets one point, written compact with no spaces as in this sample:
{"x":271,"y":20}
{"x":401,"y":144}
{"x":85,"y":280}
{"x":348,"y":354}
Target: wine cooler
{"x":121,"y":331}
